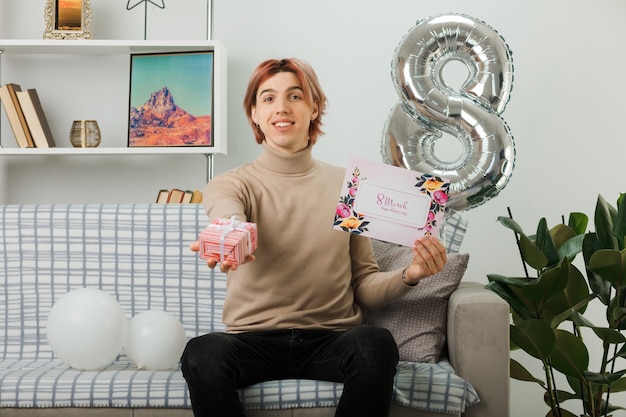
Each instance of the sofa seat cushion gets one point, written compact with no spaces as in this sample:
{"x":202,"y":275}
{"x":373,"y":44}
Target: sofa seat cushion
{"x":45,"y":383}
{"x":432,"y":387}
{"x":50,"y":383}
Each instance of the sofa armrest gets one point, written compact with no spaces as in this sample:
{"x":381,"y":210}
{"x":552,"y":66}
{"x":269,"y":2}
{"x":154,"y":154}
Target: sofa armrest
{"x":478,"y":346}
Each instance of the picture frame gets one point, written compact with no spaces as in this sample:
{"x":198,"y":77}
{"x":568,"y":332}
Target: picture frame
{"x":171,"y":99}
{"x":67,"y":19}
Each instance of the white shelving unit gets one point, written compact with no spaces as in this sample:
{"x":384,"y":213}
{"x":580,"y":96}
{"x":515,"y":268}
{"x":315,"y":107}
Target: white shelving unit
{"x":39,"y":58}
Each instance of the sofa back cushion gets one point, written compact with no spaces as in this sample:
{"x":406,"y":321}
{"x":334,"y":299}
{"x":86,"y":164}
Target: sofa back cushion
{"x":138,"y":253}
{"x":418,"y":320}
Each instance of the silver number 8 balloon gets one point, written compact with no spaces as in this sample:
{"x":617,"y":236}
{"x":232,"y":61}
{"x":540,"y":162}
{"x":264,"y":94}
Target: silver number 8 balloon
{"x":429,"y":107}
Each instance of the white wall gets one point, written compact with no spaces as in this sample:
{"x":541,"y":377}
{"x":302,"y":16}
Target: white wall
{"x":565,"y":111}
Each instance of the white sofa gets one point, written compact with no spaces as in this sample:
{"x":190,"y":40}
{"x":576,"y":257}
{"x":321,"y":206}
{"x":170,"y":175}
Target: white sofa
{"x":139,"y":253}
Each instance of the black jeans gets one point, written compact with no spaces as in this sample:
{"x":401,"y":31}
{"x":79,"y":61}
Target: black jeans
{"x":363,"y":358}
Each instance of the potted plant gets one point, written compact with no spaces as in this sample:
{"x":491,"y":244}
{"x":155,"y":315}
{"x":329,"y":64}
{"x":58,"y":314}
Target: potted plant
{"x":548,"y":308}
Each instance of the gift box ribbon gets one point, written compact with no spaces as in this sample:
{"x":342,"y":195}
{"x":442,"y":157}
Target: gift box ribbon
{"x":227,"y":229}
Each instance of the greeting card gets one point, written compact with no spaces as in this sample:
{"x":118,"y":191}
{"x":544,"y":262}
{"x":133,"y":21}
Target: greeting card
{"x":389,"y":203}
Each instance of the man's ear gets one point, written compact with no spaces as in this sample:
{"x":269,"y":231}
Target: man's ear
{"x":315,"y":112}
{"x":253,"y":114}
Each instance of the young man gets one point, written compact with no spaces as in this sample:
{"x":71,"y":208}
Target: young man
{"x":294,"y":309}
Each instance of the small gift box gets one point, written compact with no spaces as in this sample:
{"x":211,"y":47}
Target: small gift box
{"x":228,"y":240}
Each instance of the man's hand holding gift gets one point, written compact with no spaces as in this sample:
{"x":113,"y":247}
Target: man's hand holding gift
{"x":224,"y":266}
{"x":227,"y":242}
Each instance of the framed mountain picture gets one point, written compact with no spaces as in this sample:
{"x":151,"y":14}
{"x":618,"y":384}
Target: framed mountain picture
{"x":171,"y":99}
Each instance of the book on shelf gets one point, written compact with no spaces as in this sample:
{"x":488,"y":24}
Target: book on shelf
{"x":8,"y":96}
{"x":36,"y":118}
{"x":176,"y":195}
{"x":196,"y":197}
{"x":187,"y":196}
{"x":162,"y":196}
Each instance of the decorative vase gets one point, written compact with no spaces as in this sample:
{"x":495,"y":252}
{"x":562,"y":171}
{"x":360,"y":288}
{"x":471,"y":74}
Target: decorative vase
{"x":85,"y":134}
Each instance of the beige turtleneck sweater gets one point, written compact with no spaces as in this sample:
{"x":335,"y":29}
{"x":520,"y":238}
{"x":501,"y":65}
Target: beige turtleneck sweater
{"x":306,"y":274}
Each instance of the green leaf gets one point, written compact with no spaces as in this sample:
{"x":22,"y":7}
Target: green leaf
{"x":520,"y":373}
{"x":503,"y":289}
{"x":618,"y":310}
{"x":576,"y":385}
{"x":561,"y":234}
{"x":572,"y":247}
{"x":560,"y":413}
{"x":581,"y":320}
{"x":619,"y":385}
{"x":609,"y":335}
{"x":532,"y":254}
{"x":564,"y":396}
{"x":535,"y":337}
{"x":544,"y":242}
{"x":604,"y":379}
{"x":604,"y":215}
{"x":600,"y":287}
{"x":567,"y":314}
{"x":578,"y":222}
{"x":609,"y":264}
{"x":619,"y":227}
{"x":549,"y":285}
{"x":591,"y":244}
{"x":511,"y":224}
{"x":619,"y":314}
{"x":570,"y":355}
{"x":508,"y":281}
{"x":575,"y":292}
{"x":609,"y":409}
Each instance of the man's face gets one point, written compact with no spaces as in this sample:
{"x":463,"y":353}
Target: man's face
{"x":282,"y":113}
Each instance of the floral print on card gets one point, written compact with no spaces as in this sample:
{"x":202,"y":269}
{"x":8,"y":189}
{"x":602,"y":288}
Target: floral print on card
{"x":390,"y":210}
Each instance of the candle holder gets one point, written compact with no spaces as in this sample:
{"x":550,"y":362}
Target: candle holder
{"x":85,"y":134}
